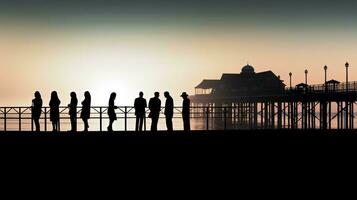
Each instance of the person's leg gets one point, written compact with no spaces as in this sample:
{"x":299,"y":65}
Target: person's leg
{"x":171,"y":126}
{"x":53,"y":126}
{"x":37,"y":124}
{"x":140,"y":123}
{"x":186,"y":122}
{"x":110,"y":127}
{"x":154,"y":123}
{"x":74,"y":123}
{"x":85,"y":121}
{"x":169,"y":123}
{"x":137,"y":123}
{"x":87,"y":125}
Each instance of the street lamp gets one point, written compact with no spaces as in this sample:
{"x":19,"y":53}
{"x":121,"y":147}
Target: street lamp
{"x":347,"y":65}
{"x":325,"y":68}
{"x":306,"y":76}
{"x":290,"y":74}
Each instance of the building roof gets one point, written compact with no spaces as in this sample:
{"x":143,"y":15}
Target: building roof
{"x":304,"y":85}
{"x":246,"y":83}
{"x":208,"y":83}
{"x":248,"y":79}
{"x":248,"y":69}
{"x":332,"y":81}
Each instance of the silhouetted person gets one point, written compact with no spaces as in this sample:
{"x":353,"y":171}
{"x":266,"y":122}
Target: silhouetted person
{"x":154,"y":106}
{"x":186,"y":112}
{"x":54,"y":110}
{"x":140,"y":105}
{"x":85,"y":114}
{"x":111,"y":111}
{"x":169,"y":111}
{"x":36,"y":110}
{"x":73,"y":111}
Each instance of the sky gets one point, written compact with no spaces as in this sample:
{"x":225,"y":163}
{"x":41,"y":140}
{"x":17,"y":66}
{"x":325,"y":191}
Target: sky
{"x":132,"y":46}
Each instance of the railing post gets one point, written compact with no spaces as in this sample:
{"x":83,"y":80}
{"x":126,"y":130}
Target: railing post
{"x":100,"y":119}
{"x":45,"y":119}
{"x":59,"y":123}
{"x":125,"y":118}
{"x":225,"y":117}
{"x":145,"y":121}
{"x":31,"y":119}
{"x":19,"y":119}
{"x":207,"y":121}
{"x":4,"y":119}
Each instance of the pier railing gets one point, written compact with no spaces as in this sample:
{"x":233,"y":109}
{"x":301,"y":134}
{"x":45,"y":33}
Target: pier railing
{"x":328,"y":88}
{"x":20,"y":118}
{"x":265,"y":115}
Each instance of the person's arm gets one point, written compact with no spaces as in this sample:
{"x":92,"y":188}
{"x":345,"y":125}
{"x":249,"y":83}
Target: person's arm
{"x":150,"y":104}
{"x":136,"y":104}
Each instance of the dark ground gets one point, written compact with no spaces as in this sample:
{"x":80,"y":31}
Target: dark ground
{"x":197,"y":143}
{"x":255,"y":159}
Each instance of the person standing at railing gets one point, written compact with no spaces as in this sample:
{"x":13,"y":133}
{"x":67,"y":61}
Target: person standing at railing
{"x":140,"y":105}
{"x":73,"y":111}
{"x":54,"y":110}
{"x":36,"y":110}
{"x":186,"y":112}
{"x":85,"y":114}
{"x":111,"y":111}
{"x":155,"y":107}
{"x":169,"y":111}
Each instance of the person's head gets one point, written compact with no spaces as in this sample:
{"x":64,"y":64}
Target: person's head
{"x":54,"y":95}
{"x":166,"y":94}
{"x":184,"y":95}
{"x":141,"y":94}
{"x":87,"y":95}
{"x":157,"y":94}
{"x":37,"y":95}
{"x":113,"y":95}
{"x":73,"y":95}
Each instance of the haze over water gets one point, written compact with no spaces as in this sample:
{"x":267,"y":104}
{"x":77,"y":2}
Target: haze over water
{"x":127,"y":47}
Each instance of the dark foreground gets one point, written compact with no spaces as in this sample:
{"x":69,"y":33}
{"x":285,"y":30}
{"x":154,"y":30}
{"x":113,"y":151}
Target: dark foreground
{"x":227,"y":142}
{"x":199,"y":155}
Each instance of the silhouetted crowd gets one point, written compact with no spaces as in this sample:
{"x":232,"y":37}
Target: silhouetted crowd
{"x":139,"y":105}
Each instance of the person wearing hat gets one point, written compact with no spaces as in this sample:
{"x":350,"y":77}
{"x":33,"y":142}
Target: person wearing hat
{"x":186,"y":112}
{"x":155,"y":107}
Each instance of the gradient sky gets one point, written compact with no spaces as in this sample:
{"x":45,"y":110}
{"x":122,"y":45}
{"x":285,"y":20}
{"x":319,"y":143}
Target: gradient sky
{"x":128,"y":46}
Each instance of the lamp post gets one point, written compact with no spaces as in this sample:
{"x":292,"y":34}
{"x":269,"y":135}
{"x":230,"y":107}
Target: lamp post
{"x":347,"y":107}
{"x":290,"y":74}
{"x":325,"y":68}
{"x":306,"y":76}
{"x":347,"y":65}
